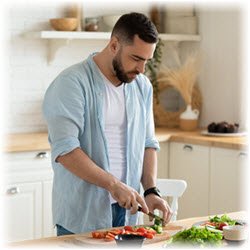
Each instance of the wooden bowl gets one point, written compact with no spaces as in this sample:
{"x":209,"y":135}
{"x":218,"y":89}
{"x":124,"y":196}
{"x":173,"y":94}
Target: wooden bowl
{"x":64,"y":24}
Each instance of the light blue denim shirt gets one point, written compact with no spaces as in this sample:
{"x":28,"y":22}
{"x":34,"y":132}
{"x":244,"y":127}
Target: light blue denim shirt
{"x":73,"y":107}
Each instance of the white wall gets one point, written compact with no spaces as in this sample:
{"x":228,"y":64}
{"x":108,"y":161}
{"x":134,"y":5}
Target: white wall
{"x":30,"y":74}
{"x":221,"y":80}
{"x":28,"y":70}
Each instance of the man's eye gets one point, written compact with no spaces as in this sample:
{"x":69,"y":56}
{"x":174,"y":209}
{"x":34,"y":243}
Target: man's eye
{"x":136,"y":59}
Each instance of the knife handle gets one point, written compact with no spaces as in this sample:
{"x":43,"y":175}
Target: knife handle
{"x":139,"y":208}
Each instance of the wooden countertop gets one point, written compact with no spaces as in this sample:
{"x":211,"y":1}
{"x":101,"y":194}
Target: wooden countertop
{"x":86,"y":241}
{"x":195,"y":137}
{"x":26,"y":142}
{"x":39,"y":141}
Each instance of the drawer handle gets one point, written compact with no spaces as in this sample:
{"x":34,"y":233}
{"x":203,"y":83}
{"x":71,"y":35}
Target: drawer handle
{"x":42,"y":155}
{"x":242,"y":155}
{"x":188,"y":148}
{"x":13,"y":190}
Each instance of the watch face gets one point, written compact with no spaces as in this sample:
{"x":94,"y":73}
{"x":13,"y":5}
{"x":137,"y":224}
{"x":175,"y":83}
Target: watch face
{"x":158,"y":192}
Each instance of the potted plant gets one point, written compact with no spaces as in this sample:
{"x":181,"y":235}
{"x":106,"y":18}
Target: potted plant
{"x":152,"y":68}
{"x":183,"y":79}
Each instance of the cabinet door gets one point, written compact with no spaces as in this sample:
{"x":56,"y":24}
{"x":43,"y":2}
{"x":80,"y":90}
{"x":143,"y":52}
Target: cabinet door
{"x":163,"y":158}
{"x":48,"y":228}
{"x":23,"y":214}
{"x":228,"y":180}
{"x":191,"y":163}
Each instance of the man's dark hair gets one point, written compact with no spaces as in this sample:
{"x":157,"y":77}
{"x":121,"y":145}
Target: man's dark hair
{"x":132,"y":24}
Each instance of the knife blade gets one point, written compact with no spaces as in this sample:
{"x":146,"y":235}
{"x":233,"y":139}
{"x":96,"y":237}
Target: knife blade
{"x":151,"y":214}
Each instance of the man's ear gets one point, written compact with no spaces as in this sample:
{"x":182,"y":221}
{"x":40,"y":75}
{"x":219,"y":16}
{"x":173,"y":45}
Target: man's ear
{"x":114,"y":45}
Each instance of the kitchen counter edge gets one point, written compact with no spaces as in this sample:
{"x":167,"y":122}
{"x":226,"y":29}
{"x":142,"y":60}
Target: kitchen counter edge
{"x":39,"y":141}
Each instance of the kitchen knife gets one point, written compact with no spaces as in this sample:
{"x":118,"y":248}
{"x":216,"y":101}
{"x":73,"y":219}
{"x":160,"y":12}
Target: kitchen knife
{"x":151,"y":214}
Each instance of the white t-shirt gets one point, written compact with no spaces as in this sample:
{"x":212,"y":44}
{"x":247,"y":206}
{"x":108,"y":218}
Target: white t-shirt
{"x":115,"y":129}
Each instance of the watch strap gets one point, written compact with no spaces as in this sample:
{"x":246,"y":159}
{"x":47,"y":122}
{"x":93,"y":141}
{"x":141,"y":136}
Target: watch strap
{"x":153,"y":190}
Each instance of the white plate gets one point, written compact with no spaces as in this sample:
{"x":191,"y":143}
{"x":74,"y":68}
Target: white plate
{"x":205,"y":132}
{"x":197,"y":224}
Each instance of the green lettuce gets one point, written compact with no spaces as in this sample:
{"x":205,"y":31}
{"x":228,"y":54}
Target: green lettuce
{"x":223,"y":218}
{"x":197,"y":237}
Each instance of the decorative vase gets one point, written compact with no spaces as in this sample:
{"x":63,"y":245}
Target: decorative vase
{"x":189,"y":119}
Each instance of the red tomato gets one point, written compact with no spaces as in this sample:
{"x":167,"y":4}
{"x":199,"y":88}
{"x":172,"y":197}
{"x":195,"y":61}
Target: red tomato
{"x":151,"y":231}
{"x":109,"y":236}
{"x":129,"y":228}
{"x":116,"y":231}
{"x":149,"y":235}
{"x":141,"y":229}
{"x":99,"y":234}
{"x":221,"y":225}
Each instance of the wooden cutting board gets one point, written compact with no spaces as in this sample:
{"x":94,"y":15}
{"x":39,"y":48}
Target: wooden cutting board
{"x":86,"y":240}
{"x":168,"y":231}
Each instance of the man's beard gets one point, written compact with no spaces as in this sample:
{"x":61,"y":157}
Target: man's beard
{"x":120,"y":73}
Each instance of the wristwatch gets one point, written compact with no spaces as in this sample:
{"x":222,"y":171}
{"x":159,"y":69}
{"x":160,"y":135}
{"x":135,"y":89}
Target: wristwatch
{"x":153,"y":190}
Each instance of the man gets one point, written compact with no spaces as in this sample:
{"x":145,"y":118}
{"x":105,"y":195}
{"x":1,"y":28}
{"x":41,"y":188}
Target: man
{"x":101,"y":131}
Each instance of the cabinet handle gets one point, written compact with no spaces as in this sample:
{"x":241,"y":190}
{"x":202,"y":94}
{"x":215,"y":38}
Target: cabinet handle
{"x":42,"y":155}
{"x":13,"y":190}
{"x":242,"y":155}
{"x":188,"y":148}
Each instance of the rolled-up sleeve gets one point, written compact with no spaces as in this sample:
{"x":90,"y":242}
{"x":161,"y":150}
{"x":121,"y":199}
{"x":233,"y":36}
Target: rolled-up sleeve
{"x":151,"y":141}
{"x":63,"y":109}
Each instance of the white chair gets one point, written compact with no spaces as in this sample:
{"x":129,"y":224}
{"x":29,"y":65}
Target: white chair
{"x":174,"y":189}
{"x":170,"y":188}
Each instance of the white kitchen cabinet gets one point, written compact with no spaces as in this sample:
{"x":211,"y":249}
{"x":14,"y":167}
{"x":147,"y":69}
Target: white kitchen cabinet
{"x":23,"y":211}
{"x":228,"y":179}
{"x":191,"y":163}
{"x":27,"y":195}
{"x":48,"y":227}
{"x":163,"y":159}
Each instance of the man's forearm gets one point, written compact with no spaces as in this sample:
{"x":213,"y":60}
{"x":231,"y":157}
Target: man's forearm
{"x":149,"y":174}
{"x":82,"y":166}
{"x":78,"y":162}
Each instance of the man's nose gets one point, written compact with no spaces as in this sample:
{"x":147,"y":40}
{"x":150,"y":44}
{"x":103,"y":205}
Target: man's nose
{"x":141,"y":67}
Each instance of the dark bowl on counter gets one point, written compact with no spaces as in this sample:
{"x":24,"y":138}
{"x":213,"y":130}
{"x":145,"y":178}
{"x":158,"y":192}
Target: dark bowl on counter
{"x":129,"y":240}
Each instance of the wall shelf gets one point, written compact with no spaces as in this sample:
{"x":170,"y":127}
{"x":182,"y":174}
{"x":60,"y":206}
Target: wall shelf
{"x":102,"y":35}
{"x":58,"y":39}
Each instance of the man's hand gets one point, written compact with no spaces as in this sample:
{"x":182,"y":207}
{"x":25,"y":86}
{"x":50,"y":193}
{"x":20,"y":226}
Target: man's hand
{"x":155,"y":202}
{"x":127,"y":197}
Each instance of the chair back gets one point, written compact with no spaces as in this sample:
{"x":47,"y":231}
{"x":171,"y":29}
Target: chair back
{"x":174,"y":189}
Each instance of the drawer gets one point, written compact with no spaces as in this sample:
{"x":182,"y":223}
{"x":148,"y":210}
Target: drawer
{"x":31,"y":160}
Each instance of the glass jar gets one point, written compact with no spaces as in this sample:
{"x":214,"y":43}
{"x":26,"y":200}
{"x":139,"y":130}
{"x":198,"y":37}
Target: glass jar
{"x":91,"y":24}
